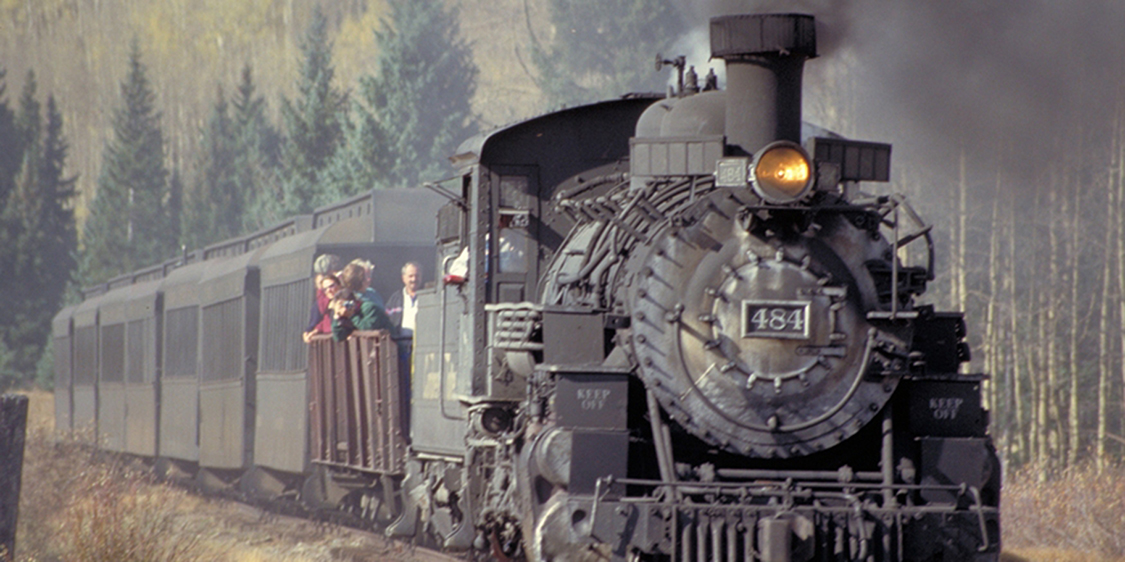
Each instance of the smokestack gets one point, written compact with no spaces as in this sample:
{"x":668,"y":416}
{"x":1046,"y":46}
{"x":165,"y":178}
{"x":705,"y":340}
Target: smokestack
{"x":765,"y":57}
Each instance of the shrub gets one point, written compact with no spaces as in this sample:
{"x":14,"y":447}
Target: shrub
{"x":77,"y":505}
{"x":117,"y":515}
{"x":1078,"y":509}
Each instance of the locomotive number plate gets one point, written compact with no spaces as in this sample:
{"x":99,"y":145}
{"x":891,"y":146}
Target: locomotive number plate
{"x":775,"y":319}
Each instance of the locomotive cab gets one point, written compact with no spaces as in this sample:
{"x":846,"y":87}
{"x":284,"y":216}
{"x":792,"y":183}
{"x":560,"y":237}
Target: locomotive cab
{"x":501,"y":223}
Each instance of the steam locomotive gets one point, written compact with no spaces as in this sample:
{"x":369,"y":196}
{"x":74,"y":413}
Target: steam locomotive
{"x":684,"y":334}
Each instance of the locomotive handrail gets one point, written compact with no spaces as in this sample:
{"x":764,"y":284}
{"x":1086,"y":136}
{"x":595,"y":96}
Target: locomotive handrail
{"x":782,"y":483}
{"x":978,"y":507}
{"x":664,"y":454}
{"x":441,"y":341}
{"x":894,"y":271}
{"x":436,"y":187}
{"x":926,"y":232}
{"x":841,"y":475}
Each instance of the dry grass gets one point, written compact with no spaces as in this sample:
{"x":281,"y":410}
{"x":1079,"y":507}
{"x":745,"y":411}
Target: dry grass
{"x":1052,"y":555}
{"x":118,"y":516}
{"x":1076,"y":515}
{"x":76,"y":505}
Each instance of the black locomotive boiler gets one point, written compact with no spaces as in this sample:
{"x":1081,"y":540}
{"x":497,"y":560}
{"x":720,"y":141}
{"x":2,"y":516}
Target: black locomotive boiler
{"x":685,"y":333}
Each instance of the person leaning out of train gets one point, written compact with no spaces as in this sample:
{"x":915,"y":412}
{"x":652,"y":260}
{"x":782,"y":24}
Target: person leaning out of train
{"x":357,"y":277}
{"x":320,"y":318}
{"x":351,"y":313}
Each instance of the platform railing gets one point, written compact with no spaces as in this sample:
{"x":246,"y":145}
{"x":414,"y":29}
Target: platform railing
{"x":358,"y":402}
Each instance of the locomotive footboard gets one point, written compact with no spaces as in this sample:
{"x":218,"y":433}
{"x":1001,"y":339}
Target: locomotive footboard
{"x":787,"y":520}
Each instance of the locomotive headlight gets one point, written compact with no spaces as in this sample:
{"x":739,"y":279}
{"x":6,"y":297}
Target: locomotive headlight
{"x":781,"y":172}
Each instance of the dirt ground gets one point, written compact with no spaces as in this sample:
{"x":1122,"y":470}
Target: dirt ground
{"x":247,"y":534}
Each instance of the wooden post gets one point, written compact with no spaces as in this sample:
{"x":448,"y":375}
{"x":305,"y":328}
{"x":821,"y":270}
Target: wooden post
{"x":13,"y":423}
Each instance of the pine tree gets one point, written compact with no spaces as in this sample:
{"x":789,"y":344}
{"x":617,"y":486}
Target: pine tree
{"x":29,"y":116}
{"x":417,"y":104}
{"x":363,"y":161}
{"x":214,"y":208}
{"x":59,"y":192}
{"x":604,"y":49}
{"x":11,"y":149}
{"x":256,"y":155}
{"x":18,"y":218}
{"x":39,"y":231}
{"x":9,"y":375}
{"x":59,"y":242}
{"x":130,"y":223}
{"x":313,"y":130}
{"x":11,"y":156}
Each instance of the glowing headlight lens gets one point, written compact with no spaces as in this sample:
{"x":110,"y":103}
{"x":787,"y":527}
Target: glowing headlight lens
{"x":781,"y":172}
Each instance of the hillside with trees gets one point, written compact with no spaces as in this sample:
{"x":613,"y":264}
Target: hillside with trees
{"x":176,"y":124}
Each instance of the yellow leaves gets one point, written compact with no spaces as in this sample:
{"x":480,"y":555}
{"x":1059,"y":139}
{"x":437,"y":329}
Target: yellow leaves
{"x":13,"y":11}
{"x":355,"y":49}
{"x":158,"y":32}
{"x":203,"y":30}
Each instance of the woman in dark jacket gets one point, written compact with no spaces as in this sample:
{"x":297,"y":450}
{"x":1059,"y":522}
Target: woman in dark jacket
{"x":351,"y":314}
